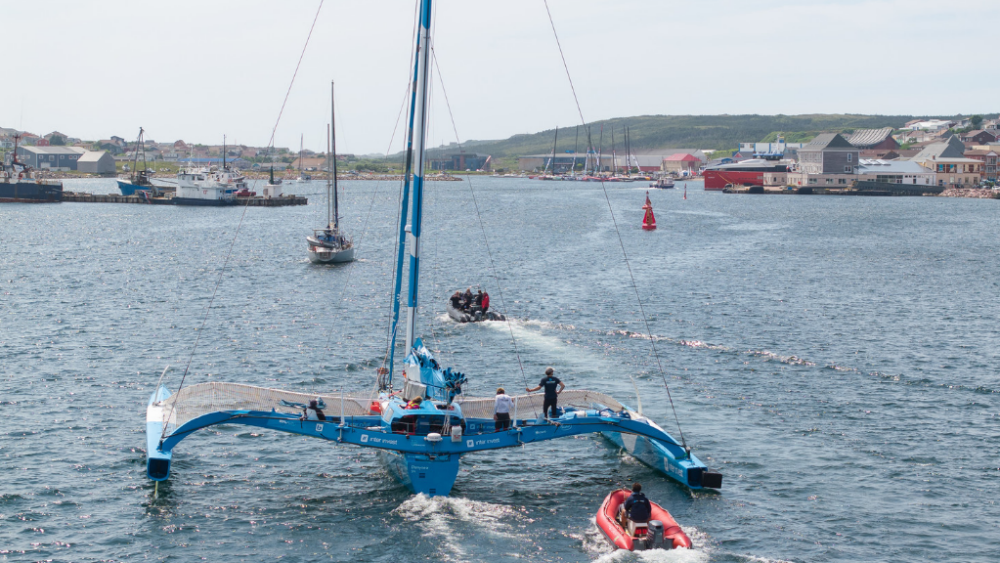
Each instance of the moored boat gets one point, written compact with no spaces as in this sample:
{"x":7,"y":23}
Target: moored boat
{"x":329,"y":245}
{"x":19,"y":184}
{"x":660,"y":532}
{"x":137,"y":180}
{"x":663,"y":183}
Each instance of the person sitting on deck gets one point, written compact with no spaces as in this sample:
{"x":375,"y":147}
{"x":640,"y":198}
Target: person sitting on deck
{"x":501,"y":410}
{"x":637,"y":507}
{"x":313,"y":412}
{"x":415,"y":403}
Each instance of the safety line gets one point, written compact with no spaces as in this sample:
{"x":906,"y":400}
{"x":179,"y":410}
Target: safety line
{"x":218,"y":282}
{"x":604,"y":188}
{"x":486,"y":239}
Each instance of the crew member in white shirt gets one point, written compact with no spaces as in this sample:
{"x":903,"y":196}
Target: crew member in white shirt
{"x":501,"y":410}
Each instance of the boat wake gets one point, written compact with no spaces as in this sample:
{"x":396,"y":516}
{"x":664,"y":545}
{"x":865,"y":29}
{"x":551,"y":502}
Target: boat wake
{"x":447,"y":520}
{"x":594,"y":543}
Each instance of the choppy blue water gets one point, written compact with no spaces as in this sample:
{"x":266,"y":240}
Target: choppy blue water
{"x":835,"y":358}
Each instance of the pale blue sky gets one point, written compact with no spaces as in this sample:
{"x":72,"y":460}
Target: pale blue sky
{"x":198,"y":70}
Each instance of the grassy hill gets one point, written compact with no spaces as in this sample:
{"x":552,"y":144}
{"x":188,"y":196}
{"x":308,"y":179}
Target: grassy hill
{"x":652,"y":132}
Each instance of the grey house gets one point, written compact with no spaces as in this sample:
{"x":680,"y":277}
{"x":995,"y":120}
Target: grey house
{"x":829,"y":153}
{"x":54,"y":158}
{"x":96,"y":162}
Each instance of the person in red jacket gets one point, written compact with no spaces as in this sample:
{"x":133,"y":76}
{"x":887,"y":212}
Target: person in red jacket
{"x":486,"y":302}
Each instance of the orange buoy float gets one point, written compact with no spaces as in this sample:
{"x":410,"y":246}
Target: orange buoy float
{"x":648,"y":220}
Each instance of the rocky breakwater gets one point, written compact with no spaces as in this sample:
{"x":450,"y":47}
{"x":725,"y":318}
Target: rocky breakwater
{"x":980,"y":193}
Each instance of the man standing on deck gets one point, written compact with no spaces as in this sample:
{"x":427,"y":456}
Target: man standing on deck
{"x":549,"y":382}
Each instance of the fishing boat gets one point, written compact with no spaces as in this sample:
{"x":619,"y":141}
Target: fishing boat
{"x":137,"y":179}
{"x":421,"y":422}
{"x":660,"y":532}
{"x":329,"y":245}
{"x":648,"y":219}
{"x":663,"y":183}
{"x":19,"y":183}
{"x":212,"y":186}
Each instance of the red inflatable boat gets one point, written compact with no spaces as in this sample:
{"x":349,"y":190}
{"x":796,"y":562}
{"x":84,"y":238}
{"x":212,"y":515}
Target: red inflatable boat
{"x":661,"y":524}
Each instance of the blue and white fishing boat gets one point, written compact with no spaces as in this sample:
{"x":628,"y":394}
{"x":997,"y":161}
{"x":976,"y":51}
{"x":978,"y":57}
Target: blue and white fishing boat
{"x":421,"y":444}
{"x":136,"y":179}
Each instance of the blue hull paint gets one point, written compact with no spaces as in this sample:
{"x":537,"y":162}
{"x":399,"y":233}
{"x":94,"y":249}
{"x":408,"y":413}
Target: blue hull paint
{"x":157,"y":461}
{"x":130,"y":189}
{"x":421,"y":474}
{"x":687,"y":471}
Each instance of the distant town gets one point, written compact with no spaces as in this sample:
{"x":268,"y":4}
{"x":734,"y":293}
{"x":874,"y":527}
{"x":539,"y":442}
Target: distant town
{"x":944,"y":153}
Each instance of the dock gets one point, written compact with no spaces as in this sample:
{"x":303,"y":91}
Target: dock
{"x":860,"y":188}
{"x":257,"y":201}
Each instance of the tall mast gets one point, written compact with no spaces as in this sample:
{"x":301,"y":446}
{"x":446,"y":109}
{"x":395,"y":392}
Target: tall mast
{"x":614,"y":155}
{"x":223,"y":152}
{"x":576,"y":146}
{"x":333,"y":157}
{"x":329,"y":183}
{"x":556,"y":140}
{"x":628,"y":155}
{"x":418,"y":123}
{"x":600,"y":150}
{"x":302,"y":138}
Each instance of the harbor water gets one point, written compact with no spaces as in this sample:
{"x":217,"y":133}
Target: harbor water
{"x":835,"y":358}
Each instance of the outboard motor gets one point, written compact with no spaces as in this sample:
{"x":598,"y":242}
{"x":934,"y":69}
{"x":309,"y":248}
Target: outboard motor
{"x":654,"y":535}
{"x":479,"y":316}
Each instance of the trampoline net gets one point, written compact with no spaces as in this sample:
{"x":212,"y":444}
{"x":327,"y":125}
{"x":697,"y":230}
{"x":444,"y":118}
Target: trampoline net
{"x":204,"y":398}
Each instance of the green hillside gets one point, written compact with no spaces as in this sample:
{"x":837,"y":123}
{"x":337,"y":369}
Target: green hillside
{"x":652,"y":132}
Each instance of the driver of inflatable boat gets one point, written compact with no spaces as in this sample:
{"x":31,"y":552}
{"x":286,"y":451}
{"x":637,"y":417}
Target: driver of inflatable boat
{"x":636,"y":510}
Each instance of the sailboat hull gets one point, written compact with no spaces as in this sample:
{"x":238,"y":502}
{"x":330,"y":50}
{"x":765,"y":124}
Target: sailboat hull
{"x":690,"y":471}
{"x":323,"y":255}
{"x":422,"y":474}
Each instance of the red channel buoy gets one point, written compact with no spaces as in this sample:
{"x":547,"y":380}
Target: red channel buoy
{"x":648,"y":220}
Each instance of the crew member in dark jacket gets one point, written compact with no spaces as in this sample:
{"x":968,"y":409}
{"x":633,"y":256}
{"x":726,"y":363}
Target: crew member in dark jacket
{"x":549,"y":382}
{"x":638,"y":506}
{"x":456,"y":300}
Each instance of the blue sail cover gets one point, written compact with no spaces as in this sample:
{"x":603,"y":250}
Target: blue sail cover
{"x":442,"y":385}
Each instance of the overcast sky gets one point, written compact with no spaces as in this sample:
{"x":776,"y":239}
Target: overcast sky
{"x":197,"y":70}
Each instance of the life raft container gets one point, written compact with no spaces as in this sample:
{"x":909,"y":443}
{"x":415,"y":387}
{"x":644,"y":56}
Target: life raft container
{"x":673,"y":537}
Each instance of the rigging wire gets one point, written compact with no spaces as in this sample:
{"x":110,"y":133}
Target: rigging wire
{"x":486,"y":239}
{"x":225,"y":264}
{"x":604,"y":188}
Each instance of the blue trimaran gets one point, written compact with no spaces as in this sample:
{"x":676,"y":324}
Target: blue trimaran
{"x":420,"y":446}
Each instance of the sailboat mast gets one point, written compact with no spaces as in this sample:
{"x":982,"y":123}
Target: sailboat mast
{"x":418,"y":117}
{"x":614,"y":154}
{"x":576,"y":146}
{"x":329,"y":183}
{"x":554,"y":142}
{"x":332,"y":168}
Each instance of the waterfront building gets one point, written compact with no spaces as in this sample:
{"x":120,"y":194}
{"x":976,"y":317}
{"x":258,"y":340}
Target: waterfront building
{"x":948,"y":160}
{"x":51,"y":158}
{"x":96,"y":162}
{"x":460,"y":161}
{"x":873,"y":139}
{"x":828,"y":153}
{"x":681,"y":163}
{"x":896,"y":172}
{"x":988,"y":156}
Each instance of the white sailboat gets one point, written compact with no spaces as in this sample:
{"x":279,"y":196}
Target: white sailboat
{"x":329,"y":245}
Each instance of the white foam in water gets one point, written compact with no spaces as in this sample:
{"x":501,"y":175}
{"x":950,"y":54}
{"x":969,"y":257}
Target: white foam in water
{"x":538,"y":339}
{"x":437,"y":516}
{"x":594,"y":542}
